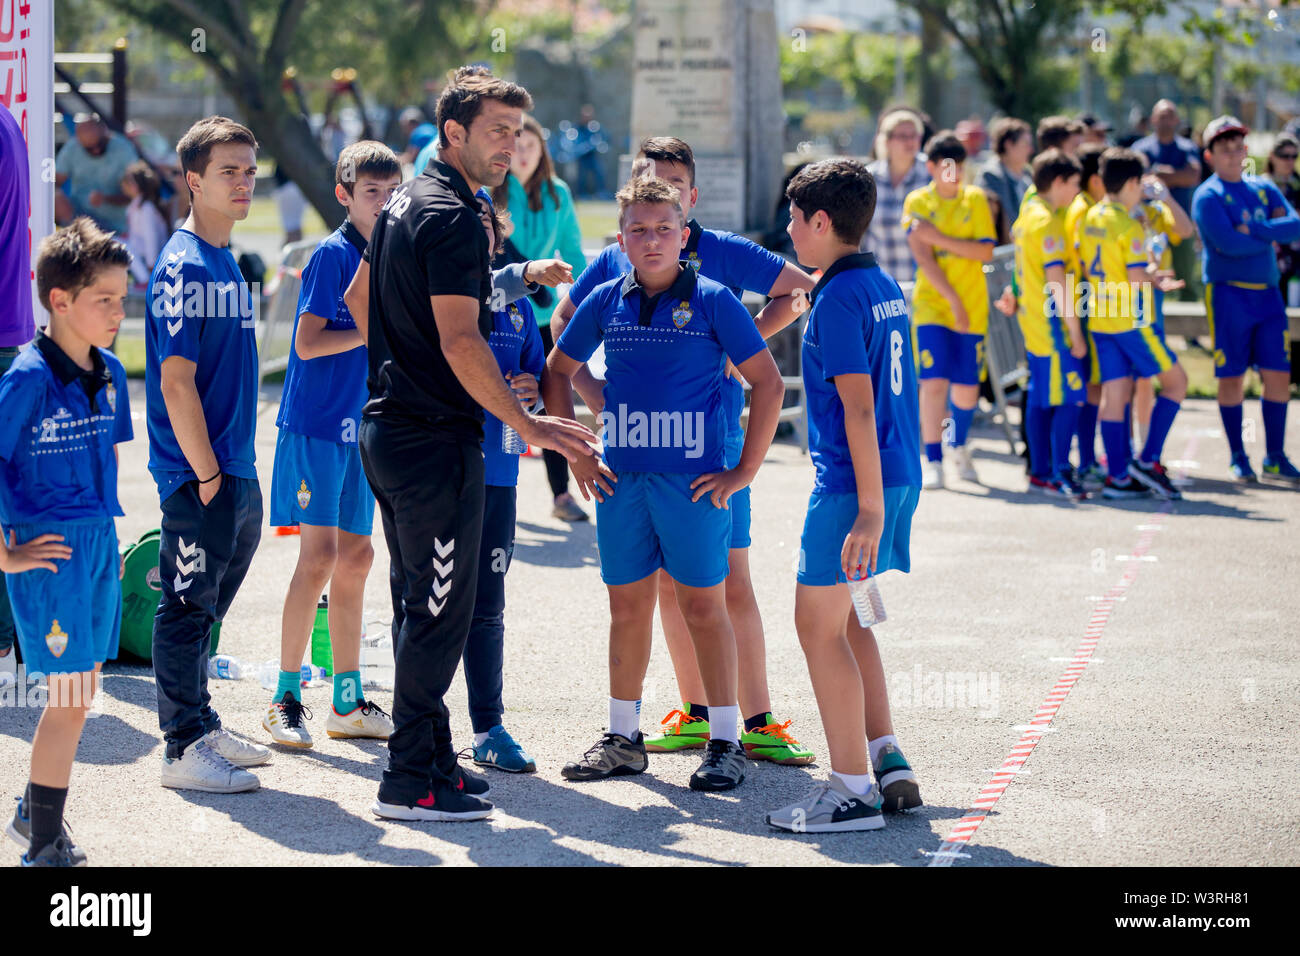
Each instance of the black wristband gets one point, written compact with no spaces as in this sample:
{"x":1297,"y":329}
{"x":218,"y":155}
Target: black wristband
{"x":210,"y":480}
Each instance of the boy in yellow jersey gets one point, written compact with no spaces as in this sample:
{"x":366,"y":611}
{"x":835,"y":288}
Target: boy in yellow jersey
{"x":1090,"y":474}
{"x":951,"y":234}
{"x":1053,"y":338}
{"x":1125,"y":342}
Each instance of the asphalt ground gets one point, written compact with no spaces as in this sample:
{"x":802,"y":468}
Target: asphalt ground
{"x":1174,"y":747}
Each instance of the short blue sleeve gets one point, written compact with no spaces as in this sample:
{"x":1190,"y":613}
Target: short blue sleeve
{"x":322,"y":281}
{"x":734,"y":327}
{"x":602,"y":269}
{"x":532,"y":357}
{"x":122,"y":428}
{"x":581,"y":336}
{"x":179,"y":333}
{"x":20,"y":393}
{"x":839,"y":331}
{"x":744,"y":264}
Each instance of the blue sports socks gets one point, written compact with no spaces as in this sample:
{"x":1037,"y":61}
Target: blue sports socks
{"x":1274,"y":426}
{"x":1116,"y":442}
{"x":1162,"y":419}
{"x":1231,"y":415}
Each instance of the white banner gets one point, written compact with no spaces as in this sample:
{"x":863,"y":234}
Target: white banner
{"x":27,"y":91}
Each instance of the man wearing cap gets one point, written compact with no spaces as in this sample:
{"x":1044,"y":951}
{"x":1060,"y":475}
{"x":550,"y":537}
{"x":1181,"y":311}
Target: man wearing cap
{"x":1240,"y":216}
{"x":1174,"y":159}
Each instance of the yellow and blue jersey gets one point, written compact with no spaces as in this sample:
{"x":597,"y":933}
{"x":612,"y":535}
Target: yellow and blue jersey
{"x":1039,"y":237}
{"x":1111,"y":243}
{"x":1074,"y":214}
{"x":966,"y":216}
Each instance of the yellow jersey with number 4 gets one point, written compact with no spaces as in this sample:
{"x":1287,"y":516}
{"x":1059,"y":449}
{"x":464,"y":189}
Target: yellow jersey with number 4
{"x":1111,"y":243}
{"x":966,"y":216}
{"x":1039,"y":237}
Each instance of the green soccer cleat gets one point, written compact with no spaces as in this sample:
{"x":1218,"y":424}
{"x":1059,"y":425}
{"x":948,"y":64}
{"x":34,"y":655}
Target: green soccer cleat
{"x":684,"y":733}
{"x":773,"y":742}
{"x":1280,"y":468}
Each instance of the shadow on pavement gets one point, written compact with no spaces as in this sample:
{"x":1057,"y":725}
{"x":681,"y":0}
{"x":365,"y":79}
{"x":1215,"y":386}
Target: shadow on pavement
{"x":554,"y":548}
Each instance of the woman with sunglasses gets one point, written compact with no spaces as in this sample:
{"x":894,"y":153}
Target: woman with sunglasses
{"x":1282,"y":171}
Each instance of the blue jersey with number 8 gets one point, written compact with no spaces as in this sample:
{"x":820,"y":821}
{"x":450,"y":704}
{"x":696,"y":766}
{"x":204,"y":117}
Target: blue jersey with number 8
{"x":859,"y":324}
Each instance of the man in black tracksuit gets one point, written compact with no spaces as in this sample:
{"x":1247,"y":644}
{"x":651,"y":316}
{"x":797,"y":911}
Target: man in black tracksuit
{"x":421,"y":298}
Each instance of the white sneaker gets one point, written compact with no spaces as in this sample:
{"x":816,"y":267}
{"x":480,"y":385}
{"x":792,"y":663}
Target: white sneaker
{"x":202,"y":768}
{"x":961,"y":459}
{"x":9,"y":668}
{"x":242,"y":753}
{"x":368,"y":720}
{"x":284,"y":722}
{"x":931,"y":474}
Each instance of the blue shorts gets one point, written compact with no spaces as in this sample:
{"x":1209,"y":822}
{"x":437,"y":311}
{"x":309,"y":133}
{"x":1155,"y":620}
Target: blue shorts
{"x":321,"y":483}
{"x":1138,"y":353}
{"x":650,"y":522}
{"x":1249,"y":328}
{"x":829,"y":521}
{"x":739,"y":505}
{"x":69,"y":622}
{"x":943,"y":353}
{"x":1055,"y":380}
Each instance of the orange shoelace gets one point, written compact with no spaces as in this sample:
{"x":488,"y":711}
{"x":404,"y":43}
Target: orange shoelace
{"x":779,"y":732}
{"x":681,"y":718}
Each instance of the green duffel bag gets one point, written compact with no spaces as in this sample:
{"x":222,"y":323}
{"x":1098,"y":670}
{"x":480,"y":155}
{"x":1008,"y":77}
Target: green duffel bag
{"x":141,"y":589}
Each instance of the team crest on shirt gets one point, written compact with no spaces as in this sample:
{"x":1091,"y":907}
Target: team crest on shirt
{"x":110,"y":394}
{"x":693,"y":260}
{"x":304,"y":495}
{"x":1137,"y":246}
{"x":682,"y":314}
{"x":1051,"y":244}
{"x":57,"y":639}
{"x":516,"y":317}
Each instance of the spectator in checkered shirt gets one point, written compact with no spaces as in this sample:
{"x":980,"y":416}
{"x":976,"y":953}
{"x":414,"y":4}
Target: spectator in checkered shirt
{"x":899,"y":170}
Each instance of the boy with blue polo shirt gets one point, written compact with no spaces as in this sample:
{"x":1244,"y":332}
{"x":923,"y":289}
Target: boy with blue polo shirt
{"x":65,"y":411}
{"x":1239,"y":218}
{"x":668,"y":333}
{"x":201,"y":405}
{"x":317,"y":482}
{"x":740,"y":265}
{"x":861,"y":385}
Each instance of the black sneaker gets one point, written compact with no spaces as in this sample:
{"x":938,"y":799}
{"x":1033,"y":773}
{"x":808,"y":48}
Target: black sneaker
{"x":1128,"y":487}
{"x":723,"y":767}
{"x":1066,"y":487}
{"x":20,"y":831}
{"x":59,"y":853}
{"x":467,"y":781}
{"x":612,"y":756}
{"x":443,"y":803}
{"x":1152,"y":475}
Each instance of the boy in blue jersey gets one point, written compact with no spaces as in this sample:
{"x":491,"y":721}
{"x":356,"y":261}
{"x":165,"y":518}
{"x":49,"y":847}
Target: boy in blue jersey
{"x":317,"y":482}
{"x":1239,"y":218}
{"x":65,"y":411}
{"x":741,"y":265}
{"x":516,"y":343}
{"x":863,"y":437}
{"x":201,"y":398}
{"x":668,"y":333}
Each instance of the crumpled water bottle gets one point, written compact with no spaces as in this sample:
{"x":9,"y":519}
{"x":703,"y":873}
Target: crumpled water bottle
{"x":867,"y":602}
{"x":225,"y":667}
{"x":1156,"y":246}
{"x":512,"y":443}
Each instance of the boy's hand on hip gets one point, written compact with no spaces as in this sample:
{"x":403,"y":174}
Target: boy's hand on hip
{"x":40,"y":552}
{"x":720,"y":486}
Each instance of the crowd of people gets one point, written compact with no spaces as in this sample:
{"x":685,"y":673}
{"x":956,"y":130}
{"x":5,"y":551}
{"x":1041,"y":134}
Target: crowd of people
{"x":426,"y":360}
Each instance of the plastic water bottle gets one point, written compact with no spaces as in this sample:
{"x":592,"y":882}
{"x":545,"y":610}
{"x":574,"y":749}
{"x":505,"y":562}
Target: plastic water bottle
{"x":512,"y":443}
{"x":378,"y":669}
{"x":268,"y":674}
{"x":225,"y":667}
{"x":866,"y":600}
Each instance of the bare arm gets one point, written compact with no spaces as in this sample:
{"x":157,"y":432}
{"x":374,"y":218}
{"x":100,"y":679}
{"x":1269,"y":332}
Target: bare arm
{"x":357,"y":298}
{"x":587,"y":385}
{"x":314,"y":340}
{"x":1187,"y":176}
{"x":1055,"y":276}
{"x":863,"y":541}
{"x":185,"y":411}
{"x":593,"y":477}
{"x":789,"y":294}
{"x":965,"y":248}
{"x":923,"y":253}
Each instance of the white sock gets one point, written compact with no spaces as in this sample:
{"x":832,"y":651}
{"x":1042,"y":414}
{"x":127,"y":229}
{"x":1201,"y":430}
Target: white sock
{"x":722,"y":723}
{"x":480,"y":739}
{"x":879,"y":744}
{"x":855,"y":783}
{"x":624,"y":717}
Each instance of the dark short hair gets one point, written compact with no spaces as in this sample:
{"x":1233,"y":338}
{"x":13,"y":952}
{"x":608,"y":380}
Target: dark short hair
{"x":73,"y":256}
{"x":465,"y":94}
{"x":1051,"y":165}
{"x":945,"y":145}
{"x":650,"y":190}
{"x":1053,"y":131}
{"x":195,"y":147}
{"x":1006,"y":130}
{"x":365,"y":157}
{"x":668,"y":149}
{"x":1089,"y":157}
{"x":843,"y":188}
{"x":1119,"y":165}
